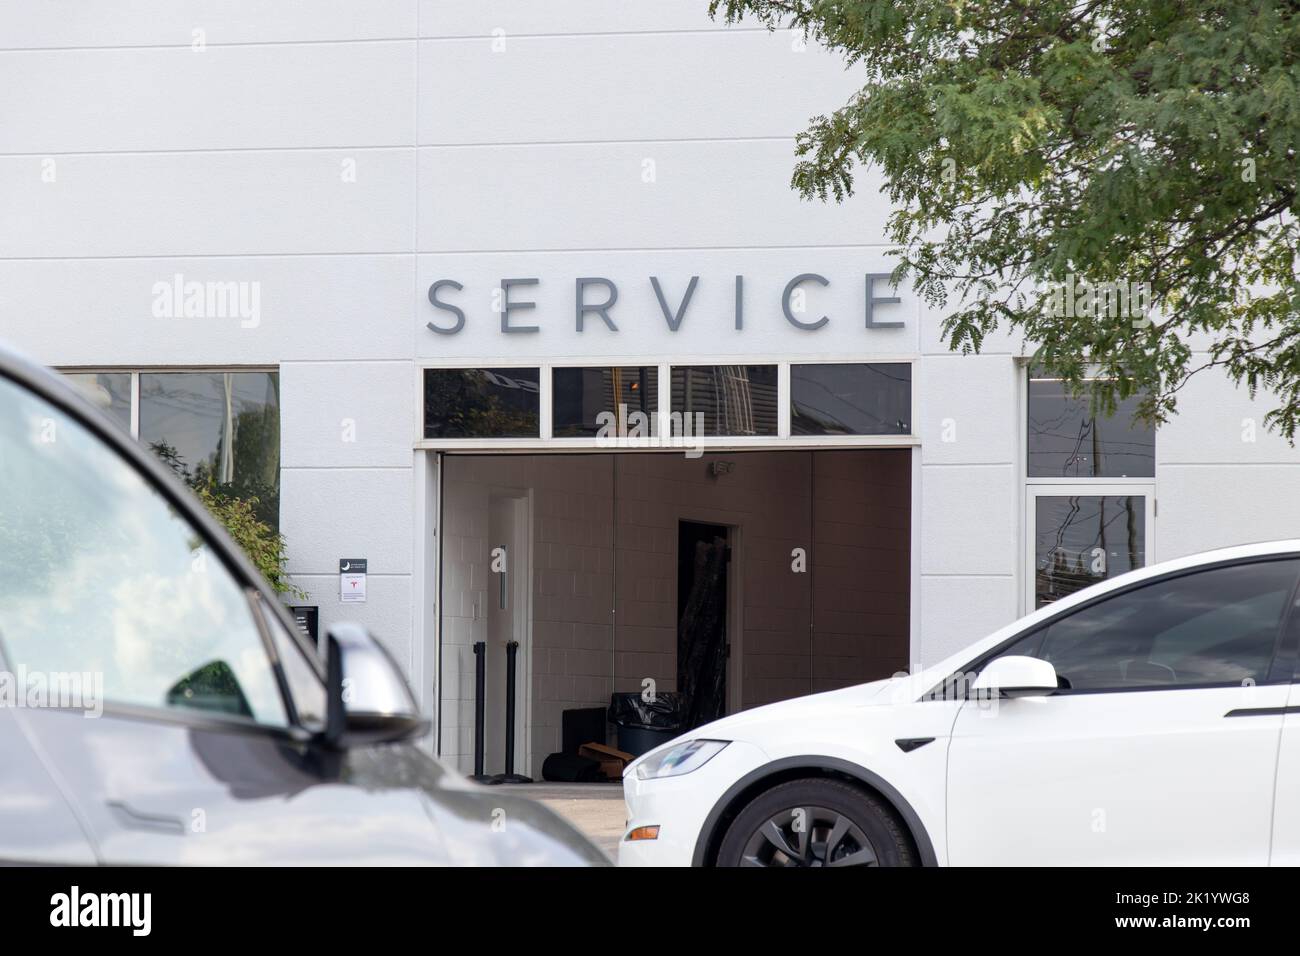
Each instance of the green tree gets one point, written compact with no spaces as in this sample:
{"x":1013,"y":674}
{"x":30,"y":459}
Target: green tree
{"x":262,"y":543}
{"x":1026,"y":144}
{"x":241,"y":516}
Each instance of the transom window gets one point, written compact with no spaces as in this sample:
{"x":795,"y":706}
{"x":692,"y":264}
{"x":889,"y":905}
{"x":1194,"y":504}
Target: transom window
{"x":815,"y":402}
{"x":1066,"y":440}
{"x":482,"y":403}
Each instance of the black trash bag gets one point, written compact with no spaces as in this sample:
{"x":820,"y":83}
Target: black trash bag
{"x":667,"y":711}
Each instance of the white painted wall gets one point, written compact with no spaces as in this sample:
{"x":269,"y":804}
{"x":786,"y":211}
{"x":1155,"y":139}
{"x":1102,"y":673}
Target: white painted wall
{"x":489,"y":140}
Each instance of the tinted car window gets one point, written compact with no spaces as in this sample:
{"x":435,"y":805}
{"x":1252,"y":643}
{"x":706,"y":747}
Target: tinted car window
{"x":1217,"y":626}
{"x":99,"y":575}
{"x":303,"y":675}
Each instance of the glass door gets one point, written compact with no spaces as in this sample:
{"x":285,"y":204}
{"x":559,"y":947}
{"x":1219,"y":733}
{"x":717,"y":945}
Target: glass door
{"x":1083,"y":533}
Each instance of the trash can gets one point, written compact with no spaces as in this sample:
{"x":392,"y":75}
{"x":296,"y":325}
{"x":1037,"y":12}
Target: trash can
{"x":643,"y":725}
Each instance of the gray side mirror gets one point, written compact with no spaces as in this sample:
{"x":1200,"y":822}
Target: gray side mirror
{"x":368,"y":699}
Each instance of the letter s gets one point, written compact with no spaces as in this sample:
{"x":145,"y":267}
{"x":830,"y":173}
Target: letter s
{"x":446,"y":307}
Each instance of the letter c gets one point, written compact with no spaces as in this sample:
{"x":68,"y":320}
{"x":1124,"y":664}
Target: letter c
{"x":785,"y":301}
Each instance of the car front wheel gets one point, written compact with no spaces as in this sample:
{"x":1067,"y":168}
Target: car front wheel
{"x":818,"y":822}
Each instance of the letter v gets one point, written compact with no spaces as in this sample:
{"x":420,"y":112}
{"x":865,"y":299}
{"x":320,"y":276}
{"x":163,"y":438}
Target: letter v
{"x":674,"y":320}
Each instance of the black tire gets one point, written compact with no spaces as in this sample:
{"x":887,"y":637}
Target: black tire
{"x":841,"y":825}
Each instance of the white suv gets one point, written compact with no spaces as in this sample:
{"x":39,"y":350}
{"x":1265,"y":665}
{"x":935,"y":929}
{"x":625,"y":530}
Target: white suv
{"x":1150,"y":719}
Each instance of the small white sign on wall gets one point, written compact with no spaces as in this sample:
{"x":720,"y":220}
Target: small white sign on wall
{"x":352,"y":580}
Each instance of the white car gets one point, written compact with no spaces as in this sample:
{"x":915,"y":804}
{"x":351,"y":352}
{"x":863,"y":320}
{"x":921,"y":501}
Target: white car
{"x":1150,"y":719}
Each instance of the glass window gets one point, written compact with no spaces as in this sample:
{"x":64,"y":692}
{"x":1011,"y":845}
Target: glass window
{"x":1082,"y":539}
{"x":303,"y":674}
{"x":856,"y":399}
{"x":580,"y":396}
{"x":110,"y":391}
{"x":100,"y":575}
{"x":724,"y":399}
{"x":1066,"y":441}
{"x":218,"y":430}
{"x":1217,"y":626}
{"x":482,"y":403}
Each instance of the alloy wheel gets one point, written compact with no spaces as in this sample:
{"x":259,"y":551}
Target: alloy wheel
{"x":809,"y":836}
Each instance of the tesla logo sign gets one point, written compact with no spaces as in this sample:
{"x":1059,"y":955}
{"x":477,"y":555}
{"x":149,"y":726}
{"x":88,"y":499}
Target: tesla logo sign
{"x":352,"y":580}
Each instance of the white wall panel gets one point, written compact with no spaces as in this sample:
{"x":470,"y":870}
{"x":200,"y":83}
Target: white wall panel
{"x":276,"y":95}
{"x":626,"y":87}
{"x":957,"y":611}
{"x":332,"y":513}
{"x":100,"y":311}
{"x":481,"y":17}
{"x":967,"y":409}
{"x":92,"y":23}
{"x":346,"y":414}
{"x":593,"y":197}
{"x":968,"y":520}
{"x":1215,"y":506}
{"x":224,"y":203}
{"x":1219,"y":422}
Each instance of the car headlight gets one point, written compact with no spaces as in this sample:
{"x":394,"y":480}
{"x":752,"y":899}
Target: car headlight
{"x":683,"y":758}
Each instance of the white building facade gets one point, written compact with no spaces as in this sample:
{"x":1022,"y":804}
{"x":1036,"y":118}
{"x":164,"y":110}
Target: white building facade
{"x":287,"y":221}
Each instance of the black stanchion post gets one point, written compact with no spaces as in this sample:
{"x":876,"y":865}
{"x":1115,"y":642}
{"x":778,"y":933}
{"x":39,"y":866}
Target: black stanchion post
{"x":512,"y":654}
{"x":480,"y":687}
{"x":512,"y":651}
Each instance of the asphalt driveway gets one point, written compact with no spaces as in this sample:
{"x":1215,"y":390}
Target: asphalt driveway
{"x":596,"y":809}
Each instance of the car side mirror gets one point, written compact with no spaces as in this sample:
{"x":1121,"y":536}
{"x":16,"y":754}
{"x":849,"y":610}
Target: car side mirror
{"x":368,"y":699}
{"x":1016,"y":676}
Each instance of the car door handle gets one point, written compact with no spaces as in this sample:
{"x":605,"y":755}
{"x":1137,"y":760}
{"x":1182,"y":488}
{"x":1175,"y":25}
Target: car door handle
{"x":134,"y":819}
{"x":1263,"y":711}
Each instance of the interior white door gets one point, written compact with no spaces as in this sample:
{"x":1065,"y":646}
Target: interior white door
{"x":507,"y":621}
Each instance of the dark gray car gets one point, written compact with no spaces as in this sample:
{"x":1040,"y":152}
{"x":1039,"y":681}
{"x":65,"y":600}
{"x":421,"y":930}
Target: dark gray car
{"x":158,"y":705}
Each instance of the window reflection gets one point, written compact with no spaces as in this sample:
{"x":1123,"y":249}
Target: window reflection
{"x":482,"y":403}
{"x":1067,"y":441}
{"x":217,"y":430}
{"x":108,"y":391}
{"x":99,"y":574}
{"x":725,"y":399}
{"x":1216,"y":626}
{"x":582,"y":395}
{"x":851,"y":399}
{"x":1083,"y":539}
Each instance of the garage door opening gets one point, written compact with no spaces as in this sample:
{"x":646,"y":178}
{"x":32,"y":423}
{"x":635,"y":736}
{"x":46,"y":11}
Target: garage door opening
{"x":729,"y":581}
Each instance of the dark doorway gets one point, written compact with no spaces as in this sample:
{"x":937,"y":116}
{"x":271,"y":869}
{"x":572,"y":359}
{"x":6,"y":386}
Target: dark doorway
{"x":703,"y":552}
